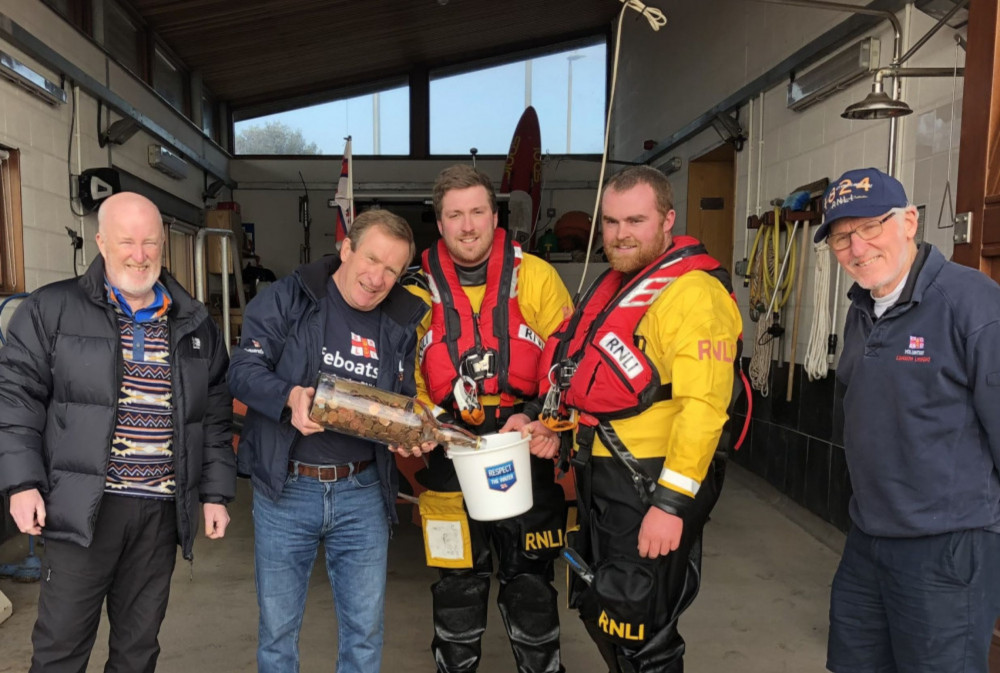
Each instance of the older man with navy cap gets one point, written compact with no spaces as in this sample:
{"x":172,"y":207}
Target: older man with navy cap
{"x":918,"y":587}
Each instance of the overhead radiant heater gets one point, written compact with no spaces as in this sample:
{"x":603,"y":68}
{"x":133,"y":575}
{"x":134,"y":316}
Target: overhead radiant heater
{"x":31,"y":81}
{"x":836,"y":73}
{"x":167,"y":162}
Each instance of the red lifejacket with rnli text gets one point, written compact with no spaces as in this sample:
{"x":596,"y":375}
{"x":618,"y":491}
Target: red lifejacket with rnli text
{"x":499,"y":328}
{"x":614,"y":378}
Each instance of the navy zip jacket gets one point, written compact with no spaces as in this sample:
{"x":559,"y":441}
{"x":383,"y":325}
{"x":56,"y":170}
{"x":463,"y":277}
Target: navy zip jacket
{"x":922,"y":403}
{"x":280,"y":348}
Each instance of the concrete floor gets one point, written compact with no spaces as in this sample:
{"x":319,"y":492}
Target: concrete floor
{"x":762,"y":608}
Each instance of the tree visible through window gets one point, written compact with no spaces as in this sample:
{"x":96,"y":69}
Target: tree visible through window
{"x":273,"y":137}
{"x":378,"y":123}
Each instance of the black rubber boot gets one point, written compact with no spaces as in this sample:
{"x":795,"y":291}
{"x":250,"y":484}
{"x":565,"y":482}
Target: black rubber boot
{"x":608,"y":651}
{"x":662,"y":653}
{"x":460,"y":603}
{"x":530,"y":613}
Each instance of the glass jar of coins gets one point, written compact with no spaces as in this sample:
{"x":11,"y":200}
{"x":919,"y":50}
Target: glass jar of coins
{"x":363,"y":411}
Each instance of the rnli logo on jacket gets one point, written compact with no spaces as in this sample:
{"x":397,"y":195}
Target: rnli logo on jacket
{"x":622,"y":354}
{"x":914,"y":351}
{"x":528,"y":334}
{"x":720,"y":350}
{"x":363,"y":346}
{"x":254,"y":347}
{"x":501,"y":477}
{"x":196,"y":343}
{"x":621,"y":630}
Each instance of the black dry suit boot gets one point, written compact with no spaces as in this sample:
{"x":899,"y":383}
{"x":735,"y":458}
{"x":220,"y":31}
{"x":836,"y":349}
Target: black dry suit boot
{"x":531,"y":614}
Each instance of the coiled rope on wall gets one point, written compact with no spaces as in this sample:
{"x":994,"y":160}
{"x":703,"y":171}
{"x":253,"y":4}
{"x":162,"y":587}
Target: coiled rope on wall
{"x":815,"y":363}
{"x":770,"y":288}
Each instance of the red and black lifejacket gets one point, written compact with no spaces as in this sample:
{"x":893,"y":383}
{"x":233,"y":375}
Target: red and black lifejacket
{"x":458,"y":335}
{"x":613,"y":377}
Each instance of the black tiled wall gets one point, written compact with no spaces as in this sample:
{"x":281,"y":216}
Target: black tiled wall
{"x":798,"y":445}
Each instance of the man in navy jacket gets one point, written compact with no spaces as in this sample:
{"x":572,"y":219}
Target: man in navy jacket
{"x":348,"y":317}
{"x":918,"y":587}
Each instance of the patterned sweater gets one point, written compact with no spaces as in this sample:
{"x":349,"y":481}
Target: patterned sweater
{"x":142,"y":457}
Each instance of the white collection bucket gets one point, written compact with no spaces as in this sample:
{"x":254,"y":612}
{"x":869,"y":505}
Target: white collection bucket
{"x":496,"y":477}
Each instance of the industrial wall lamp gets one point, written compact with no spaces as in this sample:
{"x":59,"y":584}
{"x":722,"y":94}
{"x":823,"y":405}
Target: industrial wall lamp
{"x":730,"y":130}
{"x":119,"y":132}
{"x":879,"y":105}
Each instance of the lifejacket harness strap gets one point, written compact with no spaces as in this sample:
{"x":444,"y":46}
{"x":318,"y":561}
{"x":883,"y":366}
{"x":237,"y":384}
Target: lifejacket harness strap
{"x":453,"y":327}
{"x":644,"y":484}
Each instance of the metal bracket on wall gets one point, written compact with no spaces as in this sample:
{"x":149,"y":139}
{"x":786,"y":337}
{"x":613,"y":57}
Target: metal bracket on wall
{"x":963,"y":228}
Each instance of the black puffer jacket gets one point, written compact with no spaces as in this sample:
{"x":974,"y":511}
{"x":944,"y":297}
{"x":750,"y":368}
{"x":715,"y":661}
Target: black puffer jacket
{"x":60,"y":374}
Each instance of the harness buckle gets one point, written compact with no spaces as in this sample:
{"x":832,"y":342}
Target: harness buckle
{"x":555,"y":416}
{"x":479,"y":365}
{"x":562,"y":373}
{"x":467,"y":401}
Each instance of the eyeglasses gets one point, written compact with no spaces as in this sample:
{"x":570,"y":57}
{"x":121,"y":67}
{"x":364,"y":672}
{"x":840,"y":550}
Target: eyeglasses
{"x":865,"y":232}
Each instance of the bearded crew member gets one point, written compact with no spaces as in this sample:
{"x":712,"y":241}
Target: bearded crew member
{"x":492,"y":307}
{"x":648,"y":361}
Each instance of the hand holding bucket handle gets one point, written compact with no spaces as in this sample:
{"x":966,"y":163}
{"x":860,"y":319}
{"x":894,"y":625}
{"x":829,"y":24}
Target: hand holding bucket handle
{"x":543,"y":442}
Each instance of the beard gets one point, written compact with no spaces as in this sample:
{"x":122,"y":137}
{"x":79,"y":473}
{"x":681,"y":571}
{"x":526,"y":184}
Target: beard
{"x":637,"y":258}
{"x":129,"y":284}
{"x":883,"y":278}
{"x":464,"y":256}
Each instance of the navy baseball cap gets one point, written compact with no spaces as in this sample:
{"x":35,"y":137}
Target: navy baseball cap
{"x":865,"y":192}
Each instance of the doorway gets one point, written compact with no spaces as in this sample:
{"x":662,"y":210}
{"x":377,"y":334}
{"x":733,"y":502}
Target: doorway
{"x":710,"y":202}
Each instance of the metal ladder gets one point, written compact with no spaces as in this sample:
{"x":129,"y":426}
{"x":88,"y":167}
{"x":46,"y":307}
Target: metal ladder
{"x":231,"y":256}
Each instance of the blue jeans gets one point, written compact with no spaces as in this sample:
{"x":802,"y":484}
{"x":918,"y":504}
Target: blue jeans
{"x":348,"y":518}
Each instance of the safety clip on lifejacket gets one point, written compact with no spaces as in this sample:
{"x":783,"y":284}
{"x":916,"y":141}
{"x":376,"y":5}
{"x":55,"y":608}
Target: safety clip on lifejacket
{"x":555,"y":416}
{"x":467,"y":401}
{"x":479,"y":365}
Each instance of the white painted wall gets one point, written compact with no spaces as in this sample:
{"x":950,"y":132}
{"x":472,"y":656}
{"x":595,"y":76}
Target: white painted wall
{"x":42,"y":135}
{"x":667,"y":82}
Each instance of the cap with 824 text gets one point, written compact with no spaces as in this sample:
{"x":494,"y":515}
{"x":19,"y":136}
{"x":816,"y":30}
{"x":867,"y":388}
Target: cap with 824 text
{"x":865,"y":192}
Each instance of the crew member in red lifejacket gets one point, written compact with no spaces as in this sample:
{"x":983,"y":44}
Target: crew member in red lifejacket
{"x":648,"y":362}
{"x":492,"y":307}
